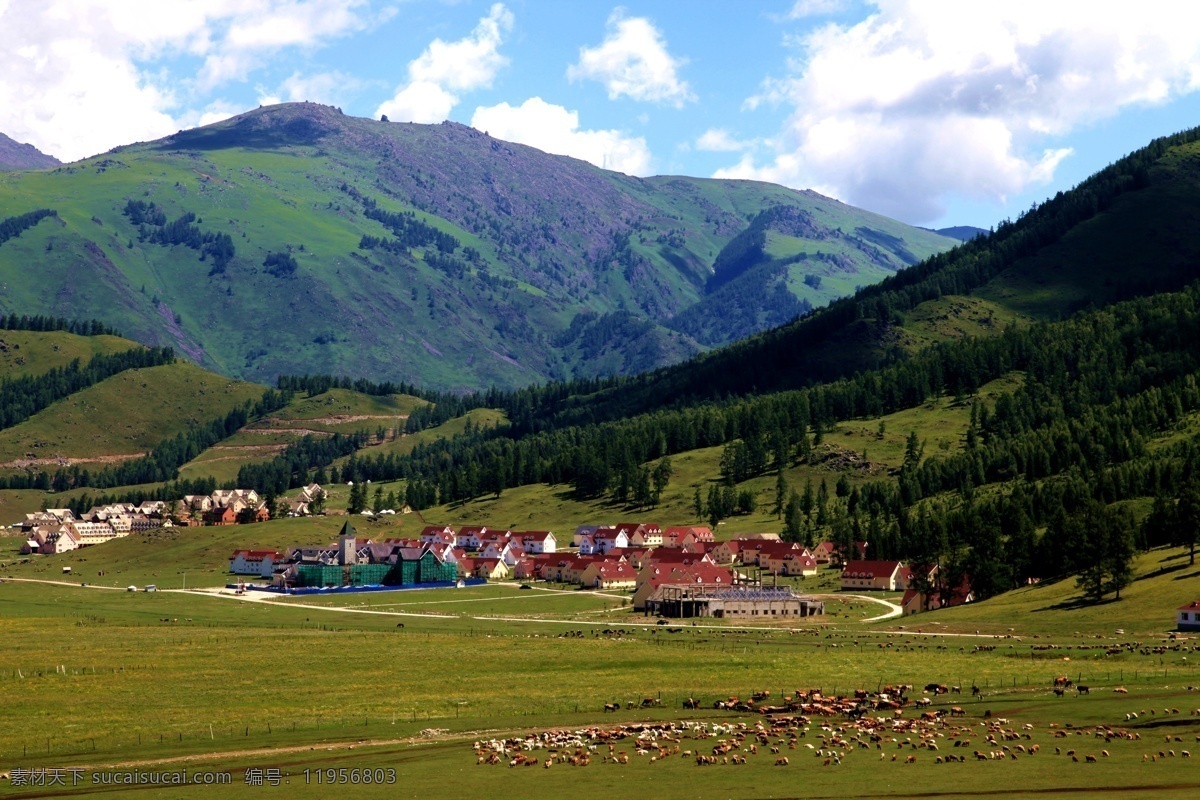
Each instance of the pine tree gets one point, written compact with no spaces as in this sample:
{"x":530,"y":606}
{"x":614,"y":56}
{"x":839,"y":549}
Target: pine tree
{"x":793,"y":518}
{"x":781,"y":493}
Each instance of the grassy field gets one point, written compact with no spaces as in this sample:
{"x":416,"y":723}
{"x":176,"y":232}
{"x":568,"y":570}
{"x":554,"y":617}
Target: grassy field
{"x":126,"y":414}
{"x":353,"y":690}
{"x":34,"y":352}
{"x":1164,"y":581}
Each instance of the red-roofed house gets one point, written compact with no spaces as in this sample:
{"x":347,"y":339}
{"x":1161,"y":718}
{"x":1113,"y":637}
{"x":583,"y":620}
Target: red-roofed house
{"x":753,"y":552}
{"x":491,"y":569}
{"x":433,"y":533}
{"x":916,"y":600}
{"x":825,"y":552}
{"x":676,"y":555}
{"x":792,"y":563}
{"x":680,"y":536}
{"x":642,"y":534}
{"x":608,"y":575}
{"x":536,"y":541}
{"x":468,"y":538}
{"x":727,"y":552}
{"x":1187,"y":617}
{"x":605,"y":539}
{"x":872,"y":575}
{"x":255,"y":562}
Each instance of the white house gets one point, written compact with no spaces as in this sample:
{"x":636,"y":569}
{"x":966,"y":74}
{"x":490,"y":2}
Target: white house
{"x":255,"y":562}
{"x":537,"y":541}
{"x":1188,"y":617}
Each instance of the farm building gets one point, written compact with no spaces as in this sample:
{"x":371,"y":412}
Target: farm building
{"x":684,"y":601}
{"x":1188,"y":617}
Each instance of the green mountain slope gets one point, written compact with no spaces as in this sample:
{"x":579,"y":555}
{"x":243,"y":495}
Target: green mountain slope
{"x":1124,"y":232}
{"x":294,"y":239}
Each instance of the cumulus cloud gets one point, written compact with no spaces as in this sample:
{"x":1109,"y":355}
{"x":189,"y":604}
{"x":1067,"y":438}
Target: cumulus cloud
{"x":920,"y":100}
{"x":633,"y":61}
{"x":82,"y":76}
{"x":446,"y":68}
{"x":719,"y":140}
{"x":555,"y":129}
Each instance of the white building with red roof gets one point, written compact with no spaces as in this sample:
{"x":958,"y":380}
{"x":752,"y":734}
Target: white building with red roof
{"x":255,"y":562}
{"x":1187,"y":618}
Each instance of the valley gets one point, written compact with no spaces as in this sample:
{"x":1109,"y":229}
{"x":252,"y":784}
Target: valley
{"x":981,"y":471}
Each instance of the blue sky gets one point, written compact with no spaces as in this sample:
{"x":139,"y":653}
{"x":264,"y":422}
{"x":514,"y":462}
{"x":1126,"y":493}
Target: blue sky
{"x":936,"y":113}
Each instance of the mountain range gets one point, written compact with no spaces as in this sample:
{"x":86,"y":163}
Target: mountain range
{"x":296,"y":239}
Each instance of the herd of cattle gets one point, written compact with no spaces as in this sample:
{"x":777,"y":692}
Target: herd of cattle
{"x":780,"y":738}
{"x":830,"y":728}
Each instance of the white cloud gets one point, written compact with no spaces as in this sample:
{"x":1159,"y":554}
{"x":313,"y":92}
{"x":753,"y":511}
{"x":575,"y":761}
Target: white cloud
{"x":816,"y":8}
{"x":633,"y":61}
{"x":921,"y":100}
{"x":556,"y":130}
{"x":82,"y":76}
{"x":445,"y":68}
{"x":719,"y":140}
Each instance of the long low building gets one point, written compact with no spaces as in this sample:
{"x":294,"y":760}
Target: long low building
{"x":685,"y":601}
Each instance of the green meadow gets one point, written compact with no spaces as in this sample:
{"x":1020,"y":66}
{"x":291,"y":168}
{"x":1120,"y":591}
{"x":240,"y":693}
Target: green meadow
{"x":100,"y":679}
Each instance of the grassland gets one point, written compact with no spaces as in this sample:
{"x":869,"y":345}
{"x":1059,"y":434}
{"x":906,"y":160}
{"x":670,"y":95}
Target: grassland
{"x":125,"y":415}
{"x":1165,"y":580}
{"x":335,"y":411}
{"x":37,"y":352}
{"x":352,"y":690}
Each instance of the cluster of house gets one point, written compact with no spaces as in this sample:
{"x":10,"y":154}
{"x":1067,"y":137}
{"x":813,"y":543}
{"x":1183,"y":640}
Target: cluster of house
{"x":58,"y":530}
{"x":229,"y":506}
{"x":639,"y":557}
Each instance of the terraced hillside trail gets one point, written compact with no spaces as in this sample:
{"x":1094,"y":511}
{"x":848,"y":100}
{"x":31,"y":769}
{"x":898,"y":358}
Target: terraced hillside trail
{"x":65,"y":461}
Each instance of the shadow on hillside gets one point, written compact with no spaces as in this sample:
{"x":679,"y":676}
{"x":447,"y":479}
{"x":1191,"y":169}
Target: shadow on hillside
{"x":1077,"y":603}
{"x":1160,"y":572}
{"x":248,"y":135}
{"x":1195,"y":574}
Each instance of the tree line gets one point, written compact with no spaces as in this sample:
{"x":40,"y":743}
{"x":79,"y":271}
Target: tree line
{"x":43,"y":323}
{"x":12,"y":227}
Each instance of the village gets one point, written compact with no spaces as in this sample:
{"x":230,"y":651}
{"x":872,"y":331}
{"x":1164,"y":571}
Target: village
{"x":674,"y":571}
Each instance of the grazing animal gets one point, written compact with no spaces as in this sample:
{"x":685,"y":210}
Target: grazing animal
{"x":1081,"y":689}
{"x":782,"y":761}
{"x":1089,"y":758}
{"x":957,"y":711}
{"x":612,"y":707}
